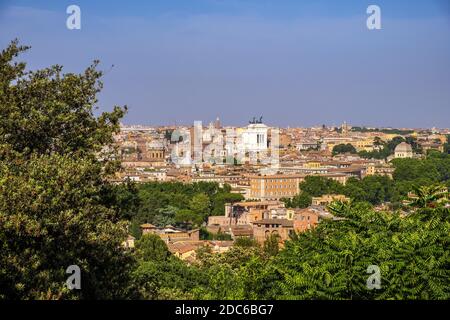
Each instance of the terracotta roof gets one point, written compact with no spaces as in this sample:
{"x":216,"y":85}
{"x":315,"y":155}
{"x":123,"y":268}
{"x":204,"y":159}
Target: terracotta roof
{"x":278,"y":176}
{"x":185,"y":246}
{"x":240,"y":231}
{"x":223,"y":244}
{"x":256,"y":203}
{"x":305,"y":211}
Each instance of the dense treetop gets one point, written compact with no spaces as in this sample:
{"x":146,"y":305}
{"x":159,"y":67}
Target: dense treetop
{"x":53,"y":213}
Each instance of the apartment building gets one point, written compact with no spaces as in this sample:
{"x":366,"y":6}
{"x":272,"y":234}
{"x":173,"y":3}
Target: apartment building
{"x":263,"y":229}
{"x":274,"y":187}
{"x":244,"y":213}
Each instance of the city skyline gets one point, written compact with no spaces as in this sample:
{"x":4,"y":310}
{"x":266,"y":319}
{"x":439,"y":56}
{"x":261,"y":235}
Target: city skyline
{"x":298,"y":64}
{"x":245,"y":122}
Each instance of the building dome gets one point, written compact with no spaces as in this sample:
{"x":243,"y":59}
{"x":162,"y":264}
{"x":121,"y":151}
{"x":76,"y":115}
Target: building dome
{"x":403,"y":150}
{"x":403,"y":147}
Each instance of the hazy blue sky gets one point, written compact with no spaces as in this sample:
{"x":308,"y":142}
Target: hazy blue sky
{"x":296,"y":63}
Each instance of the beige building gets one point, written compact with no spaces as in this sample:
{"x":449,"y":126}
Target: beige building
{"x":243,"y":213}
{"x":262,"y":229}
{"x":187,"y":250}
{"x":170,"y":234}
{"x":274,"y":187}
{"x":339,"y":177}
{"x":379,"y":169}
{"x":403,"y":150}
{"x":327,"y":199}
{"x":138,"y":152}
{"x":129,"y":243}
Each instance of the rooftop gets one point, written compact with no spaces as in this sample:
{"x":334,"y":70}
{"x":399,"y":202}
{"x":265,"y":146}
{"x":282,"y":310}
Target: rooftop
{"x":403,"y":147}
{"x":282,"y":222}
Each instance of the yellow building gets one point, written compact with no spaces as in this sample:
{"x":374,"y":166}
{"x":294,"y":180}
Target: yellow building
{"x":387,"y":136}
{"x":327,"y":199}
{"x":379,"y":169}
{"x":370,"y":170}
{"x":312,"y":165}
{"x":363,"y":145}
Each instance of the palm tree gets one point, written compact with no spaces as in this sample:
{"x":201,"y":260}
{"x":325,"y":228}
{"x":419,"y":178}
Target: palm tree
{"x":428,"y":196}
{"x":340,"y":209}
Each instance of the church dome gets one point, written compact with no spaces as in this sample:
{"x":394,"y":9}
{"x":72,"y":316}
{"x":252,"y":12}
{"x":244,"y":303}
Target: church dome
{"x":403,"y":147}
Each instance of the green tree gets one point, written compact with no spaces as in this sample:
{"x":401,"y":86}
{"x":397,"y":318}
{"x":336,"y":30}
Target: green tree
{"x":343,"y":148}
{"x":272,"y":245}
{"x":187,"y":218}
{"x":302,"y":200}
{"x":159,"y":274}
{"x":47,"y":112}
{"x":206,"y":235}
{"x":220,"y":199}
{"x":447,"y":145}
{"x":200,"y":204}
{"x":55,"y":156}
{"x":158,"y":202}
{"x":245,"y":242}
{"x":417,"y":148}
{"x":123,"y":198}
{"x":151,"y":247}
{"x":428,"y":196}
{"x":335,"y":256}
{"x":317,"y":186}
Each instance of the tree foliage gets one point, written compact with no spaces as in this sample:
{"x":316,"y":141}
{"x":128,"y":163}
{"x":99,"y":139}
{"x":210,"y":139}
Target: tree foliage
{"x":343,"y":148}
{"x":52,"y":210}
{"x":331,"y":261}
{"x":175,"y":203}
